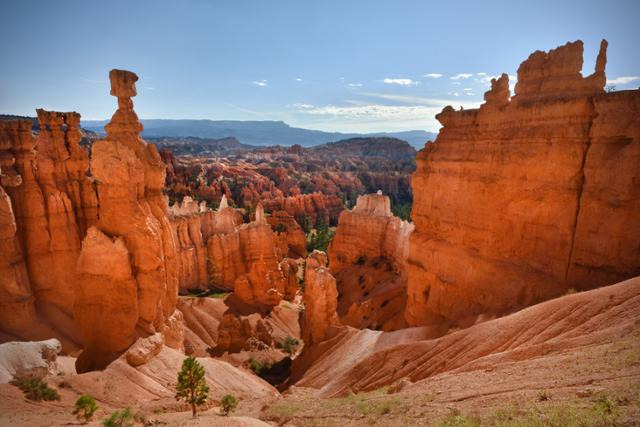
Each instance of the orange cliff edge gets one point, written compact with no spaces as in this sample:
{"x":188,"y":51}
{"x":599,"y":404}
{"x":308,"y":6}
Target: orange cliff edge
{"x":524,"y":198}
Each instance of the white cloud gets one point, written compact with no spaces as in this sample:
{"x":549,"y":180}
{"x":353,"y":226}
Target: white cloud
{"x":406,"y":99}
{"x":302,"y":106}
{"x":622,"y":80}
{"x":461,"y":76}
{"x":376,"y":117}
{"x":433,"y":75}
{"x":402,"y":82}
{"x":456,"y":83}
{"x":298,"y":79}
{"x":261,"y":83}
{"x":355,"y":85}
{"x":486,"y":79}
{"x":467,"y":89}
{"x":481,"y":74}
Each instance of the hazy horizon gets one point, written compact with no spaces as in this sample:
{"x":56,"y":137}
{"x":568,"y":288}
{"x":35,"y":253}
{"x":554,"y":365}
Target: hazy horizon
{"x":357,"y":67}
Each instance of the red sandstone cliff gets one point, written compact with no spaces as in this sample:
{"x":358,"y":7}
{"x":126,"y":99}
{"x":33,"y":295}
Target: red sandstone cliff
{"x":217,"y":251}
{"x":136,"y":293}
{"x":48,"y":202}
{"x":368,"y":258}
{"x":524,"y":198}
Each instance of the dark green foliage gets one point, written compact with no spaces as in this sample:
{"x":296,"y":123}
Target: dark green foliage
{"x":257,"y":366}
{"x":35,"y":389}
{"x":228,"y":403}
{"x":290,"y":345}
{"x":280,"y":228}
{"x":122,"y":418}
{"x":84,"y":408}
{"x":402,"y":211}
{"x":249,"y":210}
{"x":306,"y":187}
{"x":192,"y":385}
{"x":305,"y":222}
{"x":320,"y":237}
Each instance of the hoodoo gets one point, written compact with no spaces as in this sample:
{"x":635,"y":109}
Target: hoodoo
{"x":136,"y":293}
{"x":368,"y":257}
{"x":524,"y":198}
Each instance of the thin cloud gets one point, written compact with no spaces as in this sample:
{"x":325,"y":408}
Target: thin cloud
{"x":461,"y":76}
{"x":622,"y":80}
{"x":302,"y":106}
{"x":298,"y":79}
{"x":416,"y":100}
{"x":261,"y":83}
{"x":433,"y":75}
{"x":481,"y":74}
{"x":372,"y":117}
{"x":402,"y":82}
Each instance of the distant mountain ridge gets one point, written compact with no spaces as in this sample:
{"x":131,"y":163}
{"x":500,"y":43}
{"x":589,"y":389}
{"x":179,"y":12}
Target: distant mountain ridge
{"x":259,"y":133}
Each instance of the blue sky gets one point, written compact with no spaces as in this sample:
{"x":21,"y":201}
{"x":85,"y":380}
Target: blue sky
{"x":331,"y":65}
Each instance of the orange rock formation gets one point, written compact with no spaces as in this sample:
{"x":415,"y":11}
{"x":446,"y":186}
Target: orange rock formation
{"x":368,"y":259}
{"x":217,"y":251}
{"x":136,"y":292}
{"x":524,"y":198}
{"x":290,"y":236}
{"x":320,"y":299}
{"x":46,"y":204}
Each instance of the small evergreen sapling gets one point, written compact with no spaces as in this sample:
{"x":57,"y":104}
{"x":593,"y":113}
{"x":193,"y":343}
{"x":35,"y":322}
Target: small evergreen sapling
{"x":84,"y":408}
{"x":192,"y":385}
{"x":122,"y":418}
{"x":228,"y":403}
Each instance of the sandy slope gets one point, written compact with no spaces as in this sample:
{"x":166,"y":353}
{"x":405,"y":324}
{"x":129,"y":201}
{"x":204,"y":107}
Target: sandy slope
{"x":367,"y":360}
{"x":149,"y":388}
{"x":557,"y":363}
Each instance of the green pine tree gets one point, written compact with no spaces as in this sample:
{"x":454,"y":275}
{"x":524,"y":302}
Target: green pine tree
{"x":192,"y":385}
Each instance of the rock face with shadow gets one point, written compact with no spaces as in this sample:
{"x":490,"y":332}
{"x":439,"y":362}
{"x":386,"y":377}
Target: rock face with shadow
{"x":526,"y":197}
{"x":368,"y":257}
{"x":127,"y":284}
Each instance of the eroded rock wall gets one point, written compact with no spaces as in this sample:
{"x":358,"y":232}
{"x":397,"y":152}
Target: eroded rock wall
{"x":369,"y":231}
{"x":48,"y":203}
{"x":524,"y":198}
{"x":368,"y":258}
{"x":132,"y":213}
{"x":217,"y":251}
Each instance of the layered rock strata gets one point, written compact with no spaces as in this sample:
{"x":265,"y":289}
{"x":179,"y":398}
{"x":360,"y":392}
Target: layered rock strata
{"x":368,"y":259}
{"x":135,"y":293}
{"x":320,"y":300}
{"x":217,"y":251}
{"x":47,"y":202}
{"x":290,"y":237}
{"x":527,"y":197}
